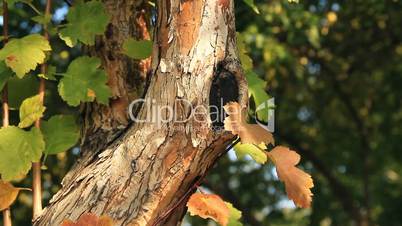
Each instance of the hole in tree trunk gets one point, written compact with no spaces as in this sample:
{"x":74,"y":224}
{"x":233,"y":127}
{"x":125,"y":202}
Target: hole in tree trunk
{"x":224,"y":89}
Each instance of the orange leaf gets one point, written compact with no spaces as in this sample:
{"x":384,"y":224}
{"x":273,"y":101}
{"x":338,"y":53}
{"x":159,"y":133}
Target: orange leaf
{"x":297,"y":182}
{"x":89,"y":219}
{"x":248,"y":133}
{"x":209,"y":206}
{"x":8,"y":194}
{"x":91,"y":93}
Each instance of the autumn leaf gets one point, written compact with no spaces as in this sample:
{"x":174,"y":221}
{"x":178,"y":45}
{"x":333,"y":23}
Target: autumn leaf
{"x":209,"y":206}
{"x":248,"y":133}
{"x":8,"y":194}
{"x":90,"y":219}
{"x":297,"y":182}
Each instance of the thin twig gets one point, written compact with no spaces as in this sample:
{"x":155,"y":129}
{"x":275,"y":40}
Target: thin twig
{"x":36,"y":166}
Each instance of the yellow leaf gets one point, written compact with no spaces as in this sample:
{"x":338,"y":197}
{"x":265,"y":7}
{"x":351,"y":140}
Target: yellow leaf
{"x":297,"y":182}
{"x":8,"y":194}
{"x":89,"y":219}
{"x":248,"y":133}
{"x":209,"y":206}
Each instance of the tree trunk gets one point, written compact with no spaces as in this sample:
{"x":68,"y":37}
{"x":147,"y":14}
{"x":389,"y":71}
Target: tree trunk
{"x":144,"y":175}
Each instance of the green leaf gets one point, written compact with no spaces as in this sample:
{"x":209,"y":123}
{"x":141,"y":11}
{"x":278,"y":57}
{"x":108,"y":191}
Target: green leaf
{"x":51,"y":71}
{"x":137,"y":49}
{"x":234,"y":216}
{"x":252,"y":5}
{"x":84,"y":81}
{"x":18,"y":149}
{"x":85,"y":20}
{"x":60,"y":133}
{"x":42,"y":19}
{"x":27,"y":87}
{"x":24,"y":54}
{"x":31,"y":110}
{"x":249,"y":149}
{"x":245,"y":60}
{"x":5,"y":74}
{"x":67,"y":40}
{"x":256,"y":89}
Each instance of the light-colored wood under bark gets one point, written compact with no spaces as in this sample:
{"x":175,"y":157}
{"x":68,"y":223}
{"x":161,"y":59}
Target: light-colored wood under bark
{"x":150,"y":169}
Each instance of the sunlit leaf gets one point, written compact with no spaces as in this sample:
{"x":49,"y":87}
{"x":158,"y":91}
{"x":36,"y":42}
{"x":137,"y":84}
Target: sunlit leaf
{"x":85,"y":21}
{"x":8,"y":194}
{"x":248,"y":133}
{"x":297,"y":182}
{"x":234,"y":215}
{"x":254,"y":152}
{"x":31,"y":110}
{"x":141,"y":49}
{"x":24,"y":54}
{"x":18,"y":149}
{"x":84,"y":77}
{"x":209,"y":206}
{"x":60,"y":133}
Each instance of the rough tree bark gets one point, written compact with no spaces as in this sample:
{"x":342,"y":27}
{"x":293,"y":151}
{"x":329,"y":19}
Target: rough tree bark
{"x":138,"y":175}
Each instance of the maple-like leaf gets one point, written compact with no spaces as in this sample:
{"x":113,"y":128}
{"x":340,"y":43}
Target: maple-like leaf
{"x":89,"y":219}
{"x":209,"y":206}
{"x":83,"y":81}
{"x":85,"y":20}
{"x":8,"y":194}
{"x":60,"y":133}
{"x":297,"y":182}
{"x":248,"y":133}
{"x":24,"y":54}
{"x":18,"y":149}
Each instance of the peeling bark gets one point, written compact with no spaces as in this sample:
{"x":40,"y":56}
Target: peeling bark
{"x":151,"y":168}
{"x":126,"y":77}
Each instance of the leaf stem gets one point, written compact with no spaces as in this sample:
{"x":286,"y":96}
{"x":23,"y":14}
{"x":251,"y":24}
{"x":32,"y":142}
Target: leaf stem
{"x":7,"y":212}
{"x":36,"y":166}
{"x":33,"y":8}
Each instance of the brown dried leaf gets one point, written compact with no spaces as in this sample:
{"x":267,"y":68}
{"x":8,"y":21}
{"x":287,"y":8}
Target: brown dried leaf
{"x":297,"y":182}
{"x":89,"y":219}
{"x":8,"y":194}
{"x":248,"y":133}
{"x":209,"y":206}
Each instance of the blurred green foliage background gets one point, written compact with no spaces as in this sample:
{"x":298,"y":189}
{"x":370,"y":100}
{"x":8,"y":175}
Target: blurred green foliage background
{"x":335,"y":70}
